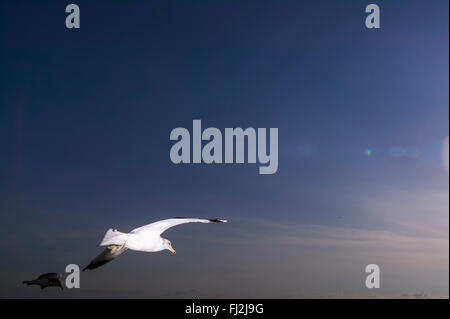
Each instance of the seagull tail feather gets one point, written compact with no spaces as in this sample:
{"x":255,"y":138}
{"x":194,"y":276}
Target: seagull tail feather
{"x":114,"y":237}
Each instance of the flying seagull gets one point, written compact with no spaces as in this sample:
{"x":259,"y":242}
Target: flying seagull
{"x":51,"y":279}
{"x":146,"y":238}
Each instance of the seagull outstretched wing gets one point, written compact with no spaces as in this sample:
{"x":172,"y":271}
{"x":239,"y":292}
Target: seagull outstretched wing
{"x":110,"y":253}
{"x":161,"y":226}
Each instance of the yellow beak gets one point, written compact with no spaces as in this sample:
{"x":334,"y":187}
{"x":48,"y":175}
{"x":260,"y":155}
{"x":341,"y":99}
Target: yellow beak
{"x":173,"y":250}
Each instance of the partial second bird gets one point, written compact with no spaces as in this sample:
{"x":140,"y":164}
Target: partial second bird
{"x":51,"y":279}
{"x":146,"y":238}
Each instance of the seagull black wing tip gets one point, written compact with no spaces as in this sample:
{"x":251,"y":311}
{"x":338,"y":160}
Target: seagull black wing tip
{"x":217,"y":220}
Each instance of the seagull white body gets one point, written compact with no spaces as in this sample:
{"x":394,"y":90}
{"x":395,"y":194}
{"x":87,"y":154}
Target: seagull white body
{"x":148,"y":238}
{"x":144,"y":242}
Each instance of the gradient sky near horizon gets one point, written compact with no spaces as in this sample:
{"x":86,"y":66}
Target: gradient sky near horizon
{"x":363,"y":119}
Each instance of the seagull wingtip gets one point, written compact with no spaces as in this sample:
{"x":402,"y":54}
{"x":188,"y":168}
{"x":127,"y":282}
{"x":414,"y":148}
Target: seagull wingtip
{"x":218,"y":220}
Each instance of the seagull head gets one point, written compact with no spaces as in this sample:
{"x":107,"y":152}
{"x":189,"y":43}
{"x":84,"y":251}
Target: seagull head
{"x":168,"y":246}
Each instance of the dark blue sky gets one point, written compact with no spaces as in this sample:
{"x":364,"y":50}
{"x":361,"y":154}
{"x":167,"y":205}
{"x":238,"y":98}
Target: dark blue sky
{"x":85,"y":118}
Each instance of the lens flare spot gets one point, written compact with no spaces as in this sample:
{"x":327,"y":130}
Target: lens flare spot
{"x":368,"y":152}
